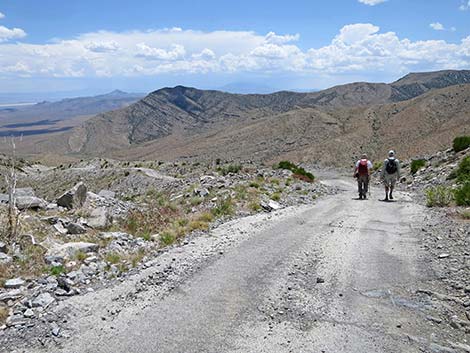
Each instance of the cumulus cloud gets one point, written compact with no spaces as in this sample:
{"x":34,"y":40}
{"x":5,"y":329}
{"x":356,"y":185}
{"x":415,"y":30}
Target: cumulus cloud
{"x":357,"y":49}
{"x":2,"y":15}
{"x":13,"y":33}
{"x":176,"y":52}
{"x":437,"y":26}
{"x":372,"y":2}
{"x":102,"y":47}
{"x":465,"y":6}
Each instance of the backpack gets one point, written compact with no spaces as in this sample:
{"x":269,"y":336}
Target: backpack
{"x":363,"y":169}
{"x":391,"y":167}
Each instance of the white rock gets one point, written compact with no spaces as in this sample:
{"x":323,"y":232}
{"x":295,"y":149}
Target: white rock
{"x":69,"y":250}
{"x":43,"y":300}
{"x":14,"y":283}
{"x":29,"y":313}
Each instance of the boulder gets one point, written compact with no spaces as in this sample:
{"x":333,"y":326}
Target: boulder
{"x":203,"y":192}
{"x":69,"y":250}
{"x":5,"y":259}
{"x":43,"y":300}
{"x":73,"y":198}
{"x":11,"y":295}
{"x":14,"y":283}
{"x":3,"y":247}
{"x":99,"y":218}
{"x":4,"y":198}
{"x":271,"y":205}
{"x":30,"y":202}
{"x":20,"y":192}
{"x":107,"y":194}
{"x":75,"y":228}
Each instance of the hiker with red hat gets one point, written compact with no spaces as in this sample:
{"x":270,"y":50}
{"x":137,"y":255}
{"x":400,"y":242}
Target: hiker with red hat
{"x":362,"y":173}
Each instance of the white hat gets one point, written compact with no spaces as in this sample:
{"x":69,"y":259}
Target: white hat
{"x":391,"y":153}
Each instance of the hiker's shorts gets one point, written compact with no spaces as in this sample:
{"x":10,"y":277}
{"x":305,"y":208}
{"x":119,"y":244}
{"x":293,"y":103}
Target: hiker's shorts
{"x":363,"y":184}
{"x":390,"y":180}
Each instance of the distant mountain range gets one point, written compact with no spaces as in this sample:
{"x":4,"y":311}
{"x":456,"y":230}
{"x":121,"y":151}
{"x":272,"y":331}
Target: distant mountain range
{"x":68,"y":108}
{"x":419,"y":113}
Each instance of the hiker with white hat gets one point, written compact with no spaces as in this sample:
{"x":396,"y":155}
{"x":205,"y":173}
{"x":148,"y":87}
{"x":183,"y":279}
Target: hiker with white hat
{"x":390,"y":174}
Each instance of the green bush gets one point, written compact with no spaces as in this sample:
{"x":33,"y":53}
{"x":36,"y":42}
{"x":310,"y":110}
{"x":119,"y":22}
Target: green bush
{"x":299,"y":172}
{"x":232,"y":168}
{"x":416,"y":165}
{"x":224,"y":207}
{"x":461,"y":143}
{"x":462,"y":195}
{"x":439,"y":196}
{"x":463,"y":171}
{"x":378,"y":165}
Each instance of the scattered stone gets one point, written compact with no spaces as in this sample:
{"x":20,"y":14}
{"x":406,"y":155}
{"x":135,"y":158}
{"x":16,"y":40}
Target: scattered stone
{"x":443,"y":256}
{"x":16,"y":320}
{"x":99,"y":218}
{"x":11,"y":295}
{"x":434,"y":319}
{"x":69,"y":250}
{"x":75,"y":228}
{"x":108,"y":194}
{"x":30,"y":202}
{"x":29,"y":313}
{"x":14,"y":283}
{"x":73,"y":198}
{"x":3,"y":247}
{"x":55,"y":329}
{"x":43,"y":300}
{"x":271,"y":205}
{"x":320,"y":280}
{"x":5,"y":259}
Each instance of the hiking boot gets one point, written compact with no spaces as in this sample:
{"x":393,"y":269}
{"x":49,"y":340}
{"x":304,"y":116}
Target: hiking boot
{"x":360,"y":196}
{"x":391,"y":196}
{"x":365,"y":197}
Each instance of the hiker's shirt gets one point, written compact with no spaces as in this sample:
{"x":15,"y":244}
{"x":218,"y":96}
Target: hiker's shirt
{"x":386,"y":175}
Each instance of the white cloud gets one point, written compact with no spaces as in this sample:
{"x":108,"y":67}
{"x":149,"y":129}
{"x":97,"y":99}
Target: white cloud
{"x":465,"y":6}
{"x":2,"y":15}
{"x":357,"y":49}
{"x":7,"y":33}
{"x":437,"y":26}
{"x":102,"y":47}
{"x":372,"y":2}
{"x":145,"y":51}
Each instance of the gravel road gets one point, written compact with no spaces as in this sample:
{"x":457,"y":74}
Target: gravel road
{"x":337,"y":276}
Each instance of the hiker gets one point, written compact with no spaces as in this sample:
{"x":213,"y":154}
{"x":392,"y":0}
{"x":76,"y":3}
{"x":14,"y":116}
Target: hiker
{"x":390,"y":174}
{"x":362,"y":173}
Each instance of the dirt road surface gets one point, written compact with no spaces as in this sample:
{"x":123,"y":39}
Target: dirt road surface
{"x":337,"y":276}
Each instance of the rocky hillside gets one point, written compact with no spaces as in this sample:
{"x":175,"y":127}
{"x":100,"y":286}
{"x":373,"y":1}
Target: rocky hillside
{"x":416,"y":114}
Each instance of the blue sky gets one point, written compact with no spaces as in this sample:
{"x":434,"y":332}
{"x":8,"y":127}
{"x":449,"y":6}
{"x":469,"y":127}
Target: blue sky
{"x":95,"y":46}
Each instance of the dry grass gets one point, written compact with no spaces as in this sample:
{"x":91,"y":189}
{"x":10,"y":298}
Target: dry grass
{"x":3,"y":314}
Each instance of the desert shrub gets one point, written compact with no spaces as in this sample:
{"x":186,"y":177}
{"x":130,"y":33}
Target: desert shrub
{"x":276,"y":196}
{"x":56,"y":270}
{"x":254,"y":184}
{"x":299,"y":172}
{"x":231,"y":168}
{"x":112,"y":258}
{"x":462,"y":173}
{"x":439,"y":196}
{"x":462,"y":194}
{"x":198,"y":225}
{"x":224,"y":207}
{"x":168,"y":237}
{"x":205,"y":217}
{"x":461,"y":143}
{"x":4,"y":313}
{"x":465,"y":214}
{"x":416,"y":165}
{"x":377,"y":165}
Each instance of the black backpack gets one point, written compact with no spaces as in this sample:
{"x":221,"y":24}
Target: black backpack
{"x":391,"y":166}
